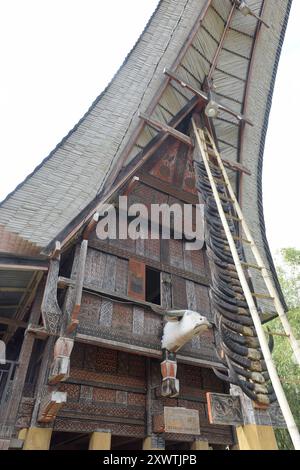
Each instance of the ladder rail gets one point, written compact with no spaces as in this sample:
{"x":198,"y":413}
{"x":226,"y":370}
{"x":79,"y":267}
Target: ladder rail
{"x":295,"y":344}
{"x":284,"y":405}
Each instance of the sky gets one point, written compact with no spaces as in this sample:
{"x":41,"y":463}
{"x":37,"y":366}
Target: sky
{"x":58,"y":55}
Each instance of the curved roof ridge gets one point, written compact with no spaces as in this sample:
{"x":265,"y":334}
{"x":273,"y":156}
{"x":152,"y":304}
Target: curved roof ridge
{"x":71,"y":175}
{"x":91,"y":107}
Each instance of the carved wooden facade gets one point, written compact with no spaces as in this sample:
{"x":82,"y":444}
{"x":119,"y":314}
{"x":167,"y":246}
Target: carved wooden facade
{"x":93,"y":311}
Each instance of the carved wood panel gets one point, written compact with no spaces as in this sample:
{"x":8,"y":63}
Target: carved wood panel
{"x":136,"y":279}
{"x":179,"y":299}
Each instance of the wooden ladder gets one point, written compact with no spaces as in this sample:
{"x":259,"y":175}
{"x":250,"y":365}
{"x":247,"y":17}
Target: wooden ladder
{"x":208,"y":151}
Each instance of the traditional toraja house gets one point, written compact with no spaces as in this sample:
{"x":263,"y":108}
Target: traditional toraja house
{"x":83,"y":318}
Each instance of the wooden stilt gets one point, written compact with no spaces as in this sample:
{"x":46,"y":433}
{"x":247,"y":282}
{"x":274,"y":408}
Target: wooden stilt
{"x":153,"y":443}
{"x":12,"y":406}
{"x":37,"y":439}
{"x":253,"y":437}
{"x":199,"y":445}
{"x":100,"y":441}
{"x":22,"y":434}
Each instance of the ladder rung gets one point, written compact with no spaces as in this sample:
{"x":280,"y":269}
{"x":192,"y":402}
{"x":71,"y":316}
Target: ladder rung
{"x":243,"y":240}
{"x":227,"y":199}
{"x":219,"y":180}
{"x":213,"y":154}
{"x":275,"y":333}
{"x":214,"y":166}
{"x":262,"y":296}
{"x":253,"y":266}
{"x":232,"y":217}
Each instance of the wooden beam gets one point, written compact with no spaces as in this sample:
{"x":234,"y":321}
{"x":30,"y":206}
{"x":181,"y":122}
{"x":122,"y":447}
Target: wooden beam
{"x":137,"y":131}
{"x":234,"y":166}
{"x":91,"y":226}
{"x":162,"y":186}
{"x":13,"y":322}
{"x":205,"y":97}
{"x":15,"y":395}
{"x":13,"y":289}
{"x":143,"y":351}
{"x":92,"y":289}
{"x":78,"y":287}
{"x":160,"y":266}
{"x":22,"y":264}
{"x":24,"y":304}
{"x":168,"y":129}
{"x":107,"y":195}
{"x":5,"y":307}
{"x":221,"y":43}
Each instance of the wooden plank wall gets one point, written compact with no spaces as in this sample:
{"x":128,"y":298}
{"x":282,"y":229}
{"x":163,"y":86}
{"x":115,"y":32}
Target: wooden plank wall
{"x":132,"y":324}
{"x":107,"y":389}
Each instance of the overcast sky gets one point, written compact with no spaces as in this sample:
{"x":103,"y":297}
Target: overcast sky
{"x":58,"y":55}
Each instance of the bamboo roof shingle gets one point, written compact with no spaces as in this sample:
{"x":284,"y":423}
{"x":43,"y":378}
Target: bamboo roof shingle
{"x":182,"y":36}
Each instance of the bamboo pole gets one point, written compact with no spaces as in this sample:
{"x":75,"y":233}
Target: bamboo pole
{"x":283,"y":403}
{"x":272,"y":291}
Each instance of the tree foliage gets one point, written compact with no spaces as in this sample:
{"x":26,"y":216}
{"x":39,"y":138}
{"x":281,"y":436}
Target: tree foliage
{"x":289,"y":371}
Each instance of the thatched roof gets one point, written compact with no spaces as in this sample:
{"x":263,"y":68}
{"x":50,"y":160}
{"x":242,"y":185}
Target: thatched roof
{"x":183,"y":36}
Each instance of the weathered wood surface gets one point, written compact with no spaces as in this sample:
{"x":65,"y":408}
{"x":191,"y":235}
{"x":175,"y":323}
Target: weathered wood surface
{"x":107,"y":389}
{"x":73,"y":320}
{"x":166,"y":291}
{"x":136,"y":279}
{"x":109,"y":313}
{"x":198,"y":274}
{"x":51,"y":312}
{"x":10,"y":412}
{"x":133,"y":325}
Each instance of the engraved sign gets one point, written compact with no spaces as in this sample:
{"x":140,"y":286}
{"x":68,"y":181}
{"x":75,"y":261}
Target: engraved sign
{"x":181,"y":421}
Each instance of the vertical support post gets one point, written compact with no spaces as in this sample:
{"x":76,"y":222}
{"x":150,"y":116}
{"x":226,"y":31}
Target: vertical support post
{"x":37,"y":439}
{"x":254,"y":437}
{"x":199,"y":445}
{"x":24,"y":359}
{"x":154,"y":442}
{"x":100,"y":440}
{"x":22,"y":434}
{"x":42,"y":378}
{"x":73,"y":320}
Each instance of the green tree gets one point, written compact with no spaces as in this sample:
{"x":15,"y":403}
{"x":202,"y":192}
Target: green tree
{"x":289,"y":371}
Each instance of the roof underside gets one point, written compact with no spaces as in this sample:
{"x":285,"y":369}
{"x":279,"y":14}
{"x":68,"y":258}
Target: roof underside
{"x":182,"y":36}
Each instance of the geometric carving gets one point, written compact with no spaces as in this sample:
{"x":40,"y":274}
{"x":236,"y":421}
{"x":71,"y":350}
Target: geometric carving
{"x":106,"y":313}
{"x":50,"y":405}
{"x":138,"y":321}
{"x":73,"y":317}
{"x":121,"y":397}
{"x":51,"y":312}
{"x":234,"y":410}
{"x":86,"y":392}
{"x":90,"y":309}
{"x":224,"y":409}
